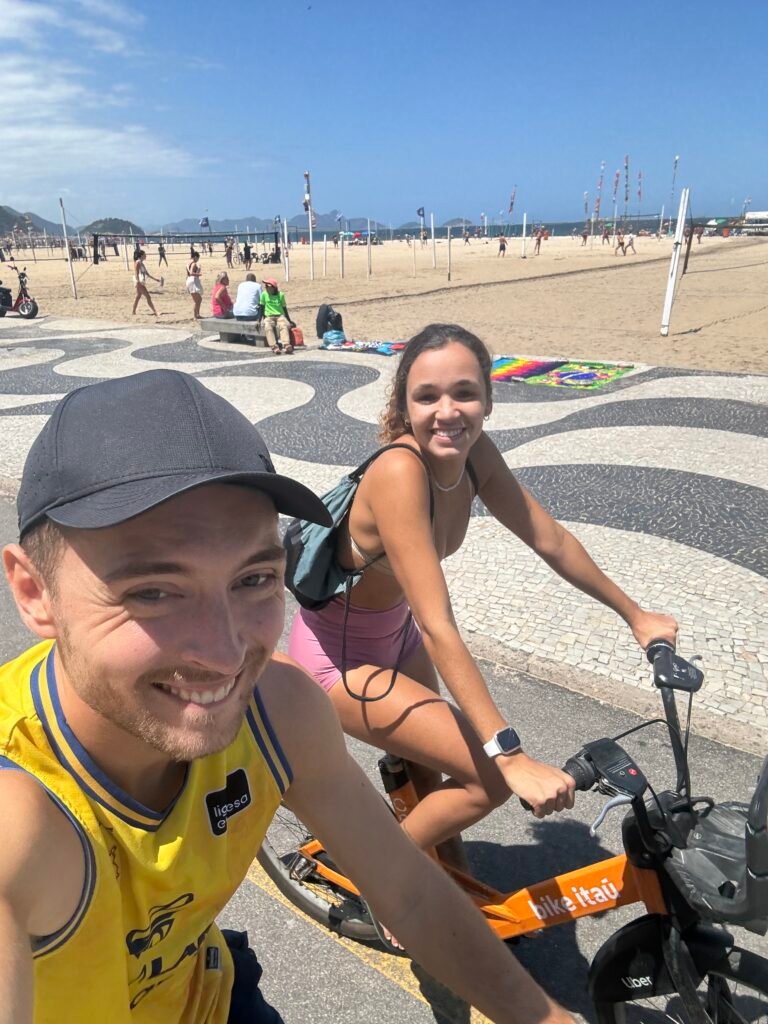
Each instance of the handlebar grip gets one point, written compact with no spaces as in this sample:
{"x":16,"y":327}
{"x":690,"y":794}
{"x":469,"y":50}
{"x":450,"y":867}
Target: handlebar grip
{"x":580,"y":771}
{"x":657,"y":647}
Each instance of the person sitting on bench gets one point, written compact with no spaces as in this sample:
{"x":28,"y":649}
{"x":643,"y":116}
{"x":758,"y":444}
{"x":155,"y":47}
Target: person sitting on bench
{"x":277,"y":317}
{"x":247,"y":300}
{"x":221,"y":303}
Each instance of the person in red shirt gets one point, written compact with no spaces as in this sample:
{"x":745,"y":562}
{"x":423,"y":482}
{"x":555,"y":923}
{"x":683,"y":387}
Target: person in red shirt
{"x":221,"y":303}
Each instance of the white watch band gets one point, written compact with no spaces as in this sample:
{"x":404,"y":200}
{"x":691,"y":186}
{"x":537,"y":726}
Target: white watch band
{"x":494,"y":750}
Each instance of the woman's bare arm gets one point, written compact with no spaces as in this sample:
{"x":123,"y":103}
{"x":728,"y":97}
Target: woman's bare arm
{"x":398,"y":498}
{"x":512,"y":505}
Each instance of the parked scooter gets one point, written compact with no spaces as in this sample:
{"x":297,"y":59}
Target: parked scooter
{"x":24,"y":304}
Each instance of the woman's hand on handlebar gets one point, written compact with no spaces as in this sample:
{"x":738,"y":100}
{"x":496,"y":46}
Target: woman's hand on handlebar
{"x":647,"y":626}
{"x":545,"y":788}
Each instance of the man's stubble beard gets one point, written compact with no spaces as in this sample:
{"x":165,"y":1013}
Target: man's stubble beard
{"x":180,"y":745}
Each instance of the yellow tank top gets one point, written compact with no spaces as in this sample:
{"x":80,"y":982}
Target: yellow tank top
{"x":142,"y":946}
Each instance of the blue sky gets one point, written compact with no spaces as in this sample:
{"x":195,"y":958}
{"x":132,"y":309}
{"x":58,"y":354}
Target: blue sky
{"x":160,"y":110}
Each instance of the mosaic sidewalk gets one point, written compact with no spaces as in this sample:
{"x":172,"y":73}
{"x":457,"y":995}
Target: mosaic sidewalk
{"x":663,"y":475}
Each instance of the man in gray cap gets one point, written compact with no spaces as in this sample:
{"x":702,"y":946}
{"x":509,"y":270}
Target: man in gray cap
{"x":148,"y":739}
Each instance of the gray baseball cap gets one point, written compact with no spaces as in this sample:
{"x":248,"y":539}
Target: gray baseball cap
{"x":115,"y":449}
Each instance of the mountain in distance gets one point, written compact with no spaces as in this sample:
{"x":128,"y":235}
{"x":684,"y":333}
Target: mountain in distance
{"x":11,"y":220}
{"x":112,"y":226}
{"x":191,"y":226}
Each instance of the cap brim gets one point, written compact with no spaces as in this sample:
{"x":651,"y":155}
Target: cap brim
{"x":127,"y":500}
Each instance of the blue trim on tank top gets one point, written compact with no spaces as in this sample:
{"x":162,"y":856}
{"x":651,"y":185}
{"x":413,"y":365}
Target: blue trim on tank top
{"x":44,"y":944}
{"x":82,"y":755}
{"x":272,"y":735}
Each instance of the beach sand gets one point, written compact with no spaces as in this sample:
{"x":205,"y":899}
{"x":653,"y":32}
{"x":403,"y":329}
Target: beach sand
{"x":570,"y":302}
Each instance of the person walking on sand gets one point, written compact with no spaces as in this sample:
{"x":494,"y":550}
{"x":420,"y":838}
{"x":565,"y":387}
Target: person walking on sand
{"x":606,"y":237}
{"x":537,"y":245}
{"x":502,"y":246}
{"x":140,"y":275}
{"x":194,"y":284}
{"x":630,"y":244}
{"x":161,"y":257}
{"x":620,"y":244}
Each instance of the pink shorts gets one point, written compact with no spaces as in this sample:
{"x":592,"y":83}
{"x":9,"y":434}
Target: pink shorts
{"x":373,"y":638}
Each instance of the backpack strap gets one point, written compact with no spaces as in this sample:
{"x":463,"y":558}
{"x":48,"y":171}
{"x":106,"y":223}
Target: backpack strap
{"x":357,"y":474}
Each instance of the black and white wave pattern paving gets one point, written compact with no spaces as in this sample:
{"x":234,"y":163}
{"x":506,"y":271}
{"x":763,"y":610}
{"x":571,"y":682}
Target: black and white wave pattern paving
{"x":662,"y":475}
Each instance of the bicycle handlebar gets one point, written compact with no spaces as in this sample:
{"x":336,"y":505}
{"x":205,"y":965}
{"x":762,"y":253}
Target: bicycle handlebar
{"x":605,"y":765}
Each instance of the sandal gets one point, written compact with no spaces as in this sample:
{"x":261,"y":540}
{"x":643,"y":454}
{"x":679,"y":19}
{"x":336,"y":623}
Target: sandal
{"x":289,"y":350}
{"x":277,"y":350}
{"x":388,"y":942}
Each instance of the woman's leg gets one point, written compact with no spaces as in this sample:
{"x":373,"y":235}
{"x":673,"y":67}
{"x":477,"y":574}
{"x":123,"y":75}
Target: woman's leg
{"x":148,"y":297}
{"x":138,"y":296}
{"x":197,"y":299}
{"x":414,"y":722}
{"x":426,"y":780}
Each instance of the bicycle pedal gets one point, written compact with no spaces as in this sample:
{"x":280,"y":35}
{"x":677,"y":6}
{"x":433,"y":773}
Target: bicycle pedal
{"x":302,"y":868}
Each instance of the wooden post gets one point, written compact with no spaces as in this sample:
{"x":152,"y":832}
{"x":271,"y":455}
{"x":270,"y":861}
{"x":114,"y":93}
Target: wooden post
{"x":449,"y":252}
{"x":325,"y":255}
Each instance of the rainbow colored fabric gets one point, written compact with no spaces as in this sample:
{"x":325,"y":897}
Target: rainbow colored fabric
{"x":513,"y":368}
{"x":557,"y":373}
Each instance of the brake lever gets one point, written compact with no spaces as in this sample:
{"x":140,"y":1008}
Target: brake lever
{"x":617,"y":801}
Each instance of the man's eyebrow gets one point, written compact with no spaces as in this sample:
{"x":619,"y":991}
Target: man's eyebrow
{"x":133,"y":569}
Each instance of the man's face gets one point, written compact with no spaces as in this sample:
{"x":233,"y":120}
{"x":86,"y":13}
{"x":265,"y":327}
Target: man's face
{"x":164,"y":623}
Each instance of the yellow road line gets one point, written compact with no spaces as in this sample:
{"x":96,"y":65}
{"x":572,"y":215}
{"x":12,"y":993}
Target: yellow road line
{"x":398,"y":970}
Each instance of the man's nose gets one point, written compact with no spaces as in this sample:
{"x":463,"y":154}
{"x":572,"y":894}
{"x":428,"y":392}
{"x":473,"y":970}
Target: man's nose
{"x":213,"y":640}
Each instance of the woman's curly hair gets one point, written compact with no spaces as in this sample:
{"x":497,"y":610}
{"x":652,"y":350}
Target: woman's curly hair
{"x":393,"y":422}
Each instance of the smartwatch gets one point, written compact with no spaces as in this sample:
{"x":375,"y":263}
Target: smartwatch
{"x":505,"y":741}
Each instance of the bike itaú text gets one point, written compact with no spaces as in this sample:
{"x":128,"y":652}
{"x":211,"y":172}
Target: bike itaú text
{"x":696,"y":866}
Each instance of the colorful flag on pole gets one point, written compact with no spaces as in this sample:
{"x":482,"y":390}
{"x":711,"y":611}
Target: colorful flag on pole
{"x":204,"y":222}
{"x":599,"y":190}
{"x":586,"y":204}
{"x":339,"y":218}
{"x":512,"y":199}
{"x":639,"y":186}
{"x":626,"y":183}
{"x":616,"y":185}
{"x":420,"y":212}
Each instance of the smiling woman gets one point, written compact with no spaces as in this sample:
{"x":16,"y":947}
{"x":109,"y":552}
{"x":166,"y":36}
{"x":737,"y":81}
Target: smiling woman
{"x":411,"y":511}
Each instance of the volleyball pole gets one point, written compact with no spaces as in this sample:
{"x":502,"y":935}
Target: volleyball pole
{"x":674,"y":263}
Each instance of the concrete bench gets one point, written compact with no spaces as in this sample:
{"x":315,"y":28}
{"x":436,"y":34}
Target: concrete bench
{"x":234,"y":330}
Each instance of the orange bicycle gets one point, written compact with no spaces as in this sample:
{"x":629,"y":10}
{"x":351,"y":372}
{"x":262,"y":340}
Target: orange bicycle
{"x":696,"y":866}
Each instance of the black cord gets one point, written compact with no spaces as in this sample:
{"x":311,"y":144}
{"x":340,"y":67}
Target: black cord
{"x":406,"y":630}
{"x":671,"y":728}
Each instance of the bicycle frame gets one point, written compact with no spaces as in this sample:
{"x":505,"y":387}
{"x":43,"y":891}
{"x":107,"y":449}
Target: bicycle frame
{"x":603,"y":885}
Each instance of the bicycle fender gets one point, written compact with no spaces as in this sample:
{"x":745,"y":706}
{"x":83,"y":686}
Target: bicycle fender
{"x":631,"y":964}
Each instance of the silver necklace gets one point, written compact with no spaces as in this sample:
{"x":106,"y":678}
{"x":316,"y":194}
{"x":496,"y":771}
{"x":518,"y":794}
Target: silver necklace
{"x":453,"y":487}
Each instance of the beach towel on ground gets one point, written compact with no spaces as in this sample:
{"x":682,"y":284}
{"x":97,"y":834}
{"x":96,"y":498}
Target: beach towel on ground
{"x":556,"y":372}
{"x":582,"y":375}
{"x":515,"y":368}
{"x":381,"y":348}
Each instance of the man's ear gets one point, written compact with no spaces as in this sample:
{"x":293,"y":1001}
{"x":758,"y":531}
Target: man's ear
{"x":30,"y":592}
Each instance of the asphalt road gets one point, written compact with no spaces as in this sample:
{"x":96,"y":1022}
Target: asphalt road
{"x":310,"y":974}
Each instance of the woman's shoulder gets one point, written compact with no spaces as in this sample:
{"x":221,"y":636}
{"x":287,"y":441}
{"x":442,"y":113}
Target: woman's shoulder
{"x":398,"y":467}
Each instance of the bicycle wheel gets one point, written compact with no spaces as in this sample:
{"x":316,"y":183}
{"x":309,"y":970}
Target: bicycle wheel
{"x":734,"y":992}
{"x":330,"y":905}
